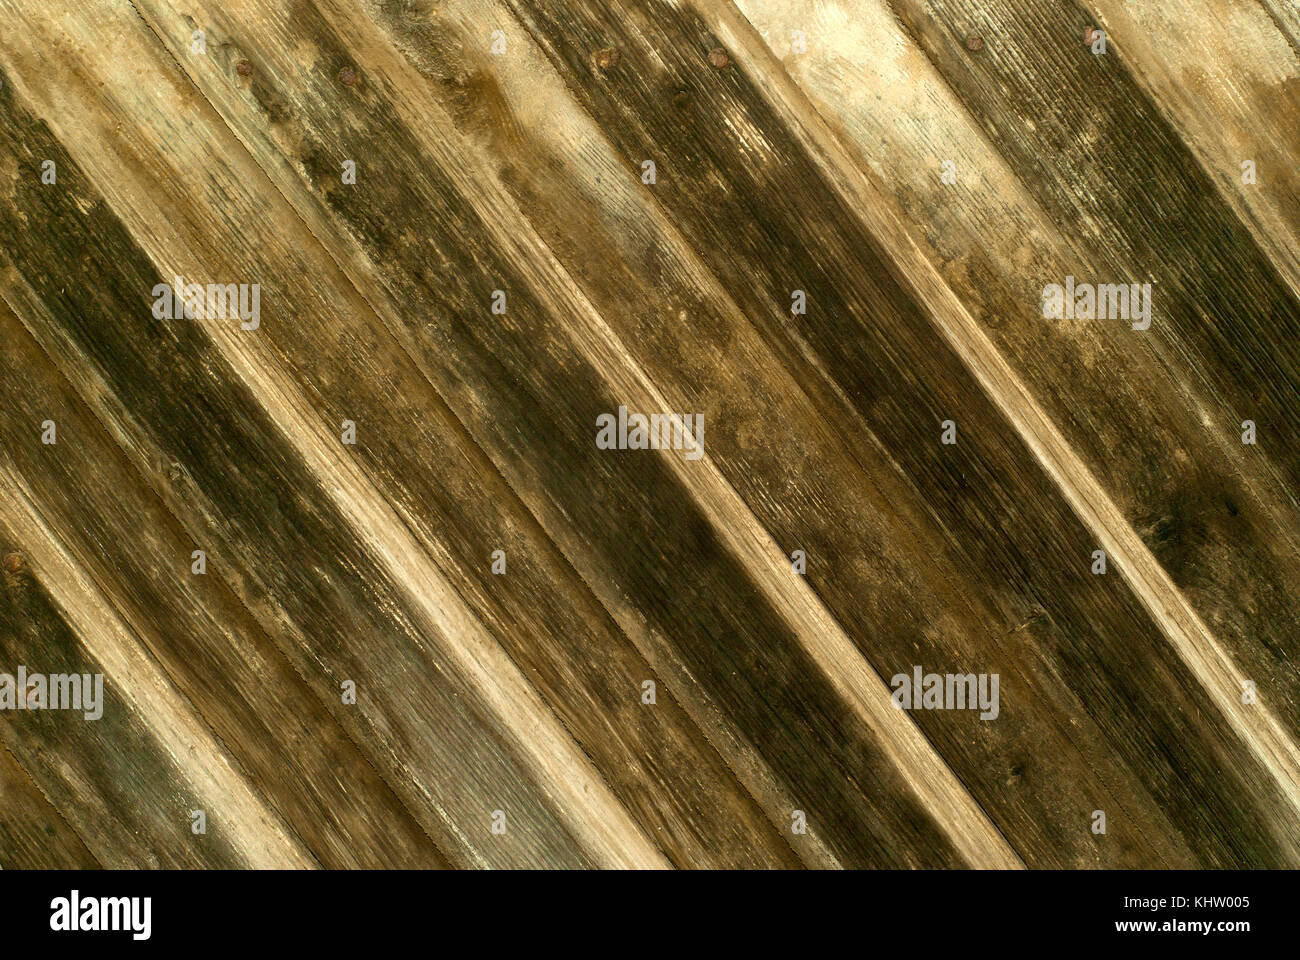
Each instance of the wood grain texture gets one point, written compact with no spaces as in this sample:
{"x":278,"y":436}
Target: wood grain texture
{"x":500,"y":719}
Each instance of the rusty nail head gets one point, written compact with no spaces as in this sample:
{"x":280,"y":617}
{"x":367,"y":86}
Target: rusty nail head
{"x":13,"y":562}
{"x":606,"y":57}
{"x":243,"y":68}
{"x":974,"y":43}
{"x":1090,"y":34}
{"x":347,"y":76}
{"x":718,"y":57}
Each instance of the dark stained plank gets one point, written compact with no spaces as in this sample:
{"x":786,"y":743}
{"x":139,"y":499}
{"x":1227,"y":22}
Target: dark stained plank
{"x":1226,"y":55}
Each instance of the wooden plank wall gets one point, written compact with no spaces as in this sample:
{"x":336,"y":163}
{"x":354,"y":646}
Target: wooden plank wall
{"x":640,"y":187}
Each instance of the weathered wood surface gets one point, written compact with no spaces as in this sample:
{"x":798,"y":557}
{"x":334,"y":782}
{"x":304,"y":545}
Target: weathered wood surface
{"x":798,"y":145}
